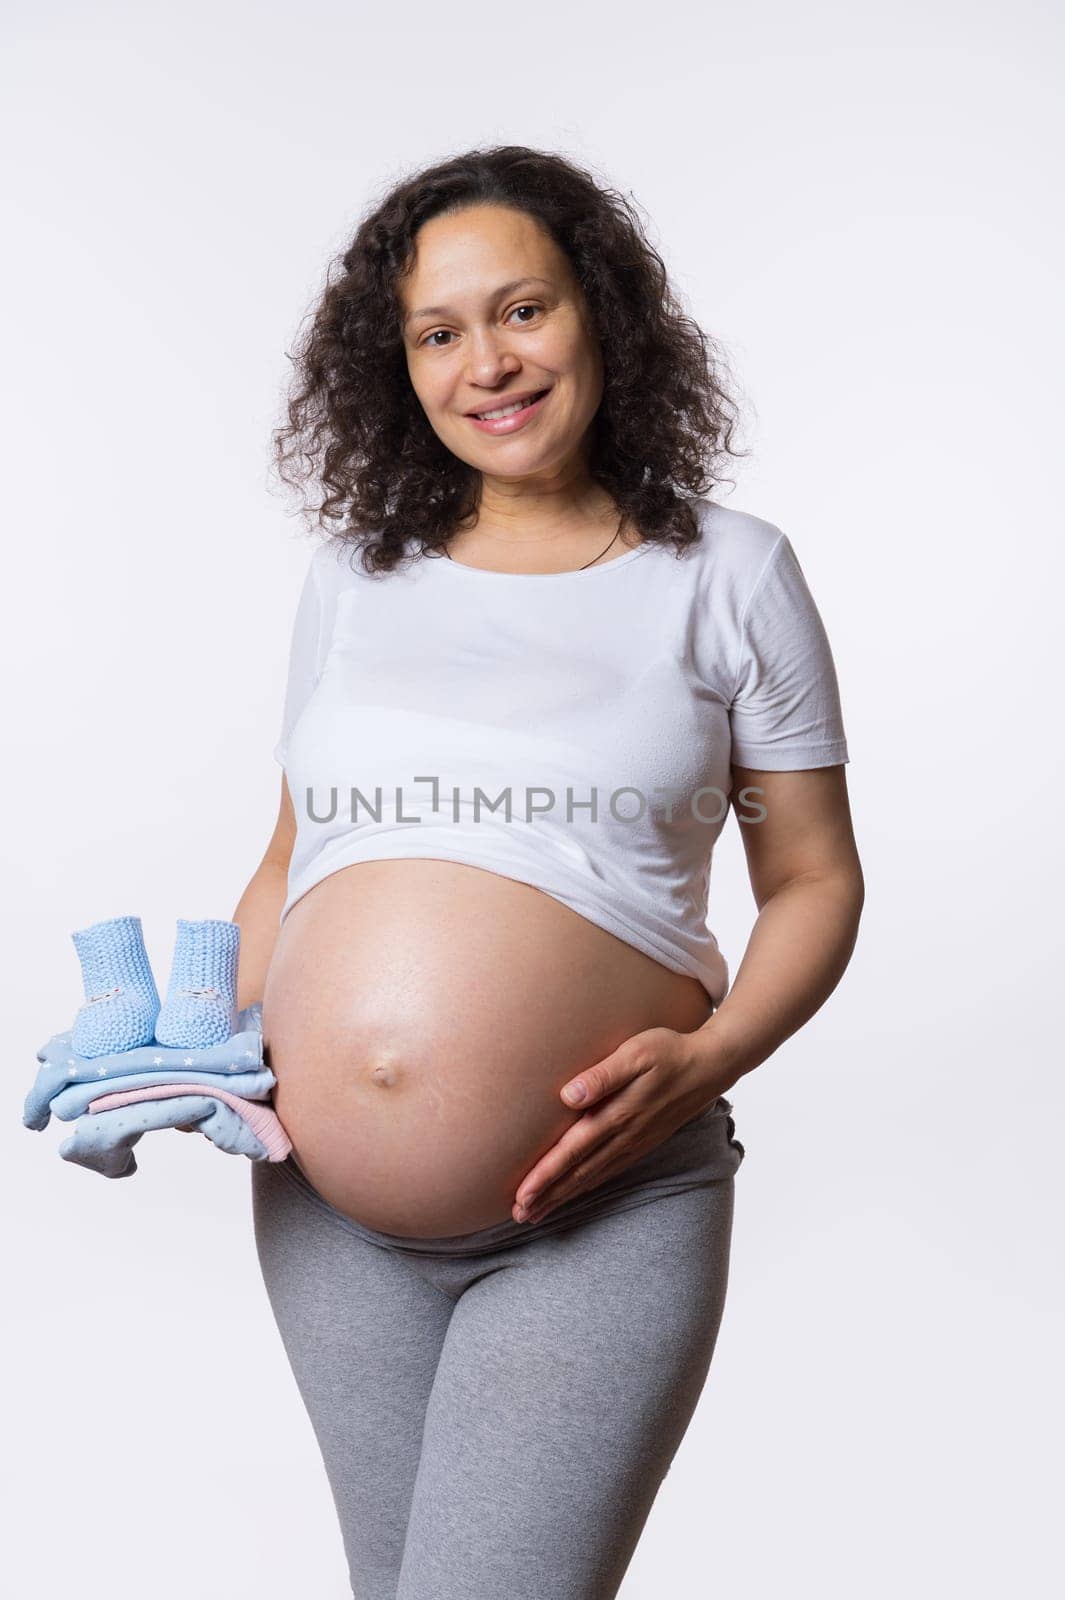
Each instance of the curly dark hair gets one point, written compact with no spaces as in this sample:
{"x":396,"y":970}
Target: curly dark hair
{"x":665,"y":422}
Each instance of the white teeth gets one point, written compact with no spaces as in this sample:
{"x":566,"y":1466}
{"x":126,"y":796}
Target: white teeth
{"x":507,"y":411}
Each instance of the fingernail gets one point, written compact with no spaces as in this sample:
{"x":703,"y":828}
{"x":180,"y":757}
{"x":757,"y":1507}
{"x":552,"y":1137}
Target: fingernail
{"x":574,"y":1093}
{"x":520,"y":1213}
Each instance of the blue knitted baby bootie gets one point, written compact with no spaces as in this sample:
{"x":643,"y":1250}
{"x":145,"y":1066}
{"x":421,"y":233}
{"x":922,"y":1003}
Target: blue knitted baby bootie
{"x":121,"y":1000}
{"x":201,"y":1001}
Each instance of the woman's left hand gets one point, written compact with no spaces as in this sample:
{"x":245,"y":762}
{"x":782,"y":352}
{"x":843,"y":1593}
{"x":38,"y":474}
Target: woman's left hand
{"x":633,"y":1099}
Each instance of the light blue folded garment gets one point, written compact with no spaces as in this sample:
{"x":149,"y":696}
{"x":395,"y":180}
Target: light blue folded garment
{"x":60,"y":1066}
{"x":103,"y":1140}
{"x":73,"y":1102}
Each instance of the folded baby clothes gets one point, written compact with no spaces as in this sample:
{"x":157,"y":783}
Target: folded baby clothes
{"x":61,"y":1066}
{"x":104,"y":1140}
{"x":261,"y":1119}
{"x":222,"y":1089}
{"x":72,"y":1102}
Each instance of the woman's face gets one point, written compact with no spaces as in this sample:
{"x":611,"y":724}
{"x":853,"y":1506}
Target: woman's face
{"x":507,"y":318}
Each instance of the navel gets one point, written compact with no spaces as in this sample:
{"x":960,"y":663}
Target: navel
{"x":385,"y":1074}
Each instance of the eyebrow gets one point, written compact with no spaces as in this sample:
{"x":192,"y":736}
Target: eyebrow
{"x":443,"y":311}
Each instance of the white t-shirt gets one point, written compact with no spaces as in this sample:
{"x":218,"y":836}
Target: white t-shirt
{"x":569,"y":730}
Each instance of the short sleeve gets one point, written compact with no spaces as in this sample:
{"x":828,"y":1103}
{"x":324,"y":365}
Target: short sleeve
{"x":785,"y":713}
{"x":304,"y":655}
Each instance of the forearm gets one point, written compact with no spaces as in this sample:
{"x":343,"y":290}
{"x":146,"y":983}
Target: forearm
{"x":798,"y":951}
{"x":258,"y":915}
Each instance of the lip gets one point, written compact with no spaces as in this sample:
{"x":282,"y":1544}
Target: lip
{"x":511,"y":423}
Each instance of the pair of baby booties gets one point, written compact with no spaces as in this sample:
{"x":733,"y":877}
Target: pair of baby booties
{"x":130,"y":1065}
{"x":122,"y":1009}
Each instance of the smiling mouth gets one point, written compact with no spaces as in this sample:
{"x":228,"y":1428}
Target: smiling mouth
{"x":500,"y":414}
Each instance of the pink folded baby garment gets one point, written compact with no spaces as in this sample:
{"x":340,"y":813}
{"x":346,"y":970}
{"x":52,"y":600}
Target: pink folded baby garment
{"x":261,"y":1119}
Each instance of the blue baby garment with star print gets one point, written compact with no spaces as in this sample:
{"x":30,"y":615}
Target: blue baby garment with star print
{"x":237,"y":1061}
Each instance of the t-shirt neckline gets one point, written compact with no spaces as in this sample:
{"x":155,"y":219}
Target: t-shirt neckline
{"x":573,"y":572}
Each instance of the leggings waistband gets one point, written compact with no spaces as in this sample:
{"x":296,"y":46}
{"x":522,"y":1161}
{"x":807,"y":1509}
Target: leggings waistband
{"x":703,"y":1150}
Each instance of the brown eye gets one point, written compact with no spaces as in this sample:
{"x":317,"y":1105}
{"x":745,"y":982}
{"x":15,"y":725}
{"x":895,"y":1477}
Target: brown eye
{"x":437,"y":332}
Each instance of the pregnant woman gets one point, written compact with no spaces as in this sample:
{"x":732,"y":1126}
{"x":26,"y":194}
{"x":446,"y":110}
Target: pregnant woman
{"x":533,"y":667}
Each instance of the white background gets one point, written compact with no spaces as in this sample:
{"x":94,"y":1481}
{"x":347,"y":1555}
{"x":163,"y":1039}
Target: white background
{"x":860,"y":203}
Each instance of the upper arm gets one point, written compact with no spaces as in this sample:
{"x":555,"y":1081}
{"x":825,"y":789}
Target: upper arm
{"x":793,"y":824}
{"x":784,"y":709}
{"x":307,"y":646}
{"x":788,"y":740}
{"x":283,"y":838}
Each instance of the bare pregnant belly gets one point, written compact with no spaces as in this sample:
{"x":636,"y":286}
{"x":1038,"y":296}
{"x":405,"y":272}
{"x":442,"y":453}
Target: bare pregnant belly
{"x":421,"y":1017}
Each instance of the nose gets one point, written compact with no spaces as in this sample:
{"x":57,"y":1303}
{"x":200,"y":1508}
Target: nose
{"x":491,"y":361}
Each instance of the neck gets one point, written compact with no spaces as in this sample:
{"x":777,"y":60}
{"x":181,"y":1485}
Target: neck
{"x":541,"y":510}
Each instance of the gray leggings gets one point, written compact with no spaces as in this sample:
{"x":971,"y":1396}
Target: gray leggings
{"x":497,"y":1410}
